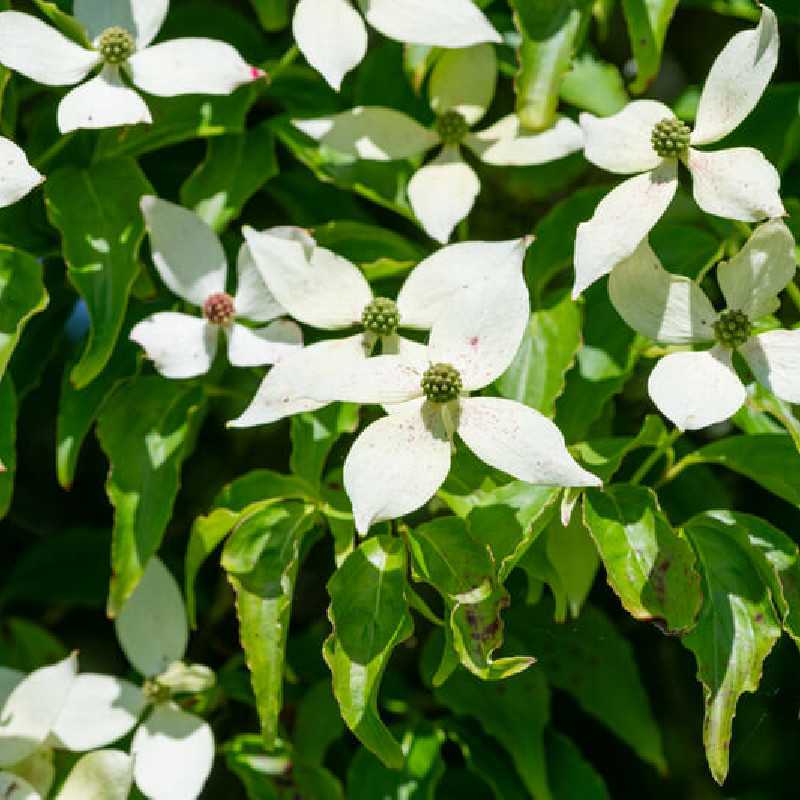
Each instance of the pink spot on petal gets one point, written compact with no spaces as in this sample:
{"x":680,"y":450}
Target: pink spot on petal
{"x":474,"y":341}
{"x":256,"y":73}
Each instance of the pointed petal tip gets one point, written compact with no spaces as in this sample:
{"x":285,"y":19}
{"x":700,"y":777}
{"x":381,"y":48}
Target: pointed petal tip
{"x":256,"y":73}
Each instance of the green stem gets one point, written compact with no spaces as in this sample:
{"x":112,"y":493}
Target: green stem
{"x":285,"y":61}
{"x":793,"y":290}
{"x":674,"y":471}
{"x":52,"y":151}
{"x":653,"y":458}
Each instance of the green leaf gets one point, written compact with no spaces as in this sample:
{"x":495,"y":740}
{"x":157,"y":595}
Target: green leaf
{"x":246,"y":757}
{"x":97,"y":212}
{"x":262,"y":557}
{"x":572,"y":777}
{"x":318,"y":724}
{"x":366,"y":244}
{"x":592,"y":661}
{"x":769,"y":459}
{"x":78,"y":408}
{"x":176,"y":119}
{"x":543,"y":62}
{"x":595,"y":86}
{"x":547,"y":351}
{"x":461,"y":570}
{"x":272,"y":14}
{"x":514,"y":711}
{"x":144,"y":430}
{"x":26,"y":646}
{"x":648,"y":21}
{"x":22,"y":294}
{"x":8,"y":440}
{"x":370,"y":618}
{"x":66,"y":23}
{"x":235,"y":168}
{"x":315,"y":433}
{"x":735,"y":633}
{"x":422,"y":769}
{"x":649,"y":566}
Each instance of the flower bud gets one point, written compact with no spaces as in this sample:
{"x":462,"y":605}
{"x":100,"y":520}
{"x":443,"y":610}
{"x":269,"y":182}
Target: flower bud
{"x":670,"y":138}
{"x":116,"y":45}
{"x":441,"y":383}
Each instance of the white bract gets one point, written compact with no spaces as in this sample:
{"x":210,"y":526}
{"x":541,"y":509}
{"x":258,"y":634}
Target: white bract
{"x":460,"y":91}
{"x":190,"y":260}
{"x":172,"y":750}
{"x":30,"y":707}
{"x":645,"y":137}
{"x":324,"y":290}
{"x":695,"y":389}
{"x":398,"y":463}
{"x":333,"y":38}
{"x":121,"y":32}
{"x":17,"y":176}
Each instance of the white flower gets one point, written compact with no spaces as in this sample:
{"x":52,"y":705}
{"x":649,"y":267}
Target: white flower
{"x":398,"y":463}
{"x":172,"y":750}
{"x":695,"y":389}
{"x":645,"y":137}
{"x":30,"y":707}
{"x":460,"y":90}
{"x":191,"y":262}
{"x":121,"y":32}
{"x":333,"y":38}
{"x":326,"y":291}
{"x":17,"y":176}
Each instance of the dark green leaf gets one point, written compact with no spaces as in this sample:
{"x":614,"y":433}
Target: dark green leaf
{"x":647,"y":21}
{"x":8,"y":439}
{"x":272,"y":14}
{"x":572,"y":777}
{"x":318,"y":724}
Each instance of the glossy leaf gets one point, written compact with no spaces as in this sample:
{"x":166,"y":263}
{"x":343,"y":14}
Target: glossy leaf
{"x":648,"y":21}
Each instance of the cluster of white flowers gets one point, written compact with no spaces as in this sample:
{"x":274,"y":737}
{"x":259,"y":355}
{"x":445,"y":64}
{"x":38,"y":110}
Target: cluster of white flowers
{"x":55,"y":707}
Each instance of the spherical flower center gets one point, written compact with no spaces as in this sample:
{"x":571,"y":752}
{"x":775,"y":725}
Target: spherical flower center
{"x":218,"y":309}
{"x":441,"y":383}
{"x":670,"y":137}
{"x":451,"y":127}
{"x":116,"y":45}
{"x":156,"y":692}
{"x":733,"y":328}
{"x":381,"y":316}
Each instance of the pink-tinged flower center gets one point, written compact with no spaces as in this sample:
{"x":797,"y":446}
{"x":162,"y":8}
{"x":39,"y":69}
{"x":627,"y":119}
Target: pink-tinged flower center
{"x":218,"y":309}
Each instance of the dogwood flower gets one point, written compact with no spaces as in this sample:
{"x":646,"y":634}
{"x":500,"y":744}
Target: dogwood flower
{"x":333,"y":38}
{"x":190,"y":260}
{"x":17,"y":176}
{"x":29,"y":709}
{"x":461,"y":89}
{"x":398,"y":462}
{"x":172,"y":750}
{"x":121,"y":32}
{"x":324,"y":290}
{"x":695,"y":389}
{"x":645,"y":137}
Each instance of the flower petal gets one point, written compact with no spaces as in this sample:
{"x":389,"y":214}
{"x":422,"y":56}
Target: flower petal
{"x":621,"y":143}
{"x":102,"y":102}
{"x":774,"y":358}
{"x":738,"y":183}
{"x":396,"y":465}
{"x":31,"y":709}
{"x":151,"y":627}
{"x":186,"y":252}
{"x":332,"y":37}
{"x":12,"y":787}
{"x":321,"y":289}
{"x":102,"y":775}
{"x":285,"y":390}
{"x":99,"y":710}
{"x":752,"y":280}
{"x":253,"y":300}
{"x":17,"y":176}
{"x":179,"y":345}
{"x":142,"y":18}
{"x":464,"y":80}
{"x":737,"y":80}
{"x":445,"y":23}
{"x":40,"y":52}
{"x":190,"y":66}
{"x":694,"y":390}
{"x":173,"y":753}
{"x":506,"y":144}
{"x":248,"y":347}
{"x":480,"y":333}
{"x":436,"y":280}
{"x":519,"y":440}
{"x":622,"y":219}
{"x":662,"y":306}
{"x":443,"y":193}
{"x":374,"y":133}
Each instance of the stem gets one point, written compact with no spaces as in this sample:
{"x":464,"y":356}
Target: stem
{"x":674,"y":471}
{"x":793,"y":291}
{"x":52,"y":151}
{"x":656,"y":454}
{"x":285,"y":61}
